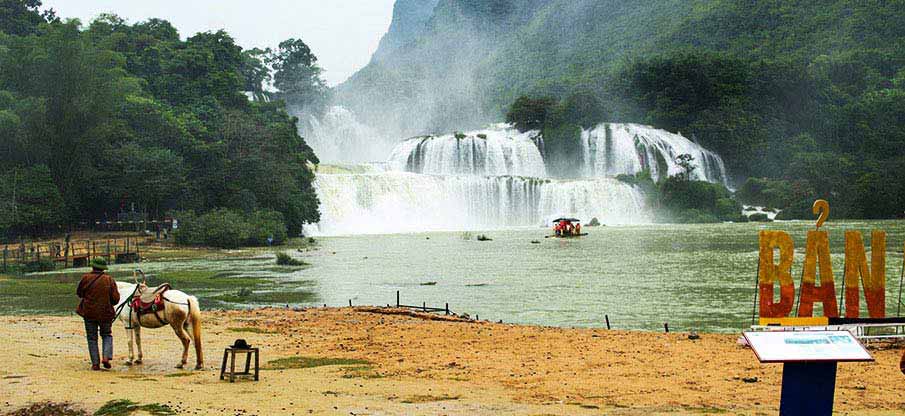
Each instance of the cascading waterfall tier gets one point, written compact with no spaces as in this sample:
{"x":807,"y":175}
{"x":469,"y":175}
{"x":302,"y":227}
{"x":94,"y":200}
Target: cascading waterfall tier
{"x":396,"y":202}
{"x":488,"y":178}
{"x":497,"y":151}
{"x":612,"y":149}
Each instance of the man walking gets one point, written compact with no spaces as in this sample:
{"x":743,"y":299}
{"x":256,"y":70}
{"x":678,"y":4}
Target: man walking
{"x":98,"y":294}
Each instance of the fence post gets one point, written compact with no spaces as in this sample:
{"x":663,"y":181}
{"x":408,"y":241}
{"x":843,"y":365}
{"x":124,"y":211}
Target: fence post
{"x":607,"y":317}
{"x":424,"y":306}
{"x":447,"y":308}
{"x":350,"y":303}
{"x":397,"y":298}
{"x":666,"y":327}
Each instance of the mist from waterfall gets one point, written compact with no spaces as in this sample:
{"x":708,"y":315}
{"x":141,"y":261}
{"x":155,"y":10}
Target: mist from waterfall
{"x":338,"y":137}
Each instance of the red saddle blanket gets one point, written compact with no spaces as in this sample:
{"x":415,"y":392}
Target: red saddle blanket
{"x":155,"y":305}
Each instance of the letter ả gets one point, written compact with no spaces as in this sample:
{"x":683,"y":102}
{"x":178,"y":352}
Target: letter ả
{"x":180,"y":311}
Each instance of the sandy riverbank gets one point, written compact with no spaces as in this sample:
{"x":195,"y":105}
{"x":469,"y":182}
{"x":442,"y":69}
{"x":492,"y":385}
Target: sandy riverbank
{"x":421,"y":366}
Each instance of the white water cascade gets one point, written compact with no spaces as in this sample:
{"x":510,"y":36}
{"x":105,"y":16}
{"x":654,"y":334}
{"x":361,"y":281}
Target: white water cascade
{"x":488,"y":178}
{"x":611,"y":149}
{"x":396,"y":202}
{"x":497,"y":151}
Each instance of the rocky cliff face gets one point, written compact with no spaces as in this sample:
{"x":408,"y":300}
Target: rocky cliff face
{"x":410,"y":17}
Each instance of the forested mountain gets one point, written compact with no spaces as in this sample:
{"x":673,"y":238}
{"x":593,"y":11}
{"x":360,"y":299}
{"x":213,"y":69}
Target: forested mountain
{"x":113,"y":118}
{"x":810,"y":95}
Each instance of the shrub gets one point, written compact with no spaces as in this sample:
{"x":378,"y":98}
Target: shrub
{"x":42,"y":265}
{"x":727,"y":209}
{"x":284,"y":259}
{"x":264,"y":224}
{"x":225,"y":228}
{"x":759,"y":217}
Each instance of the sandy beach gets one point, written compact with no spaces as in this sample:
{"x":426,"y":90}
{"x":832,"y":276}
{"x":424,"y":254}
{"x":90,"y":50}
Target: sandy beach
{"x":413,"y":364}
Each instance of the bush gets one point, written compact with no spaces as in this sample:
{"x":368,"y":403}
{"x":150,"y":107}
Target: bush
{"x":43,"y":265}
{"x":694,"y":216}
{"x":284,"y":259}
{"x":727,"y":209}
{"x":264,"y":224}
{"x":759,"y":217}
{"x":225,"y":228}
{"x":765,"y":192}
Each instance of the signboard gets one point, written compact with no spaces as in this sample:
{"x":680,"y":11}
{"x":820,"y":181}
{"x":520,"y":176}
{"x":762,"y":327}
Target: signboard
{"x":798,"y":346}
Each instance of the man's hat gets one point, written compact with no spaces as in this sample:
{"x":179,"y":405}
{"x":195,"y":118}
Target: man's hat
{"x":99,"y":263}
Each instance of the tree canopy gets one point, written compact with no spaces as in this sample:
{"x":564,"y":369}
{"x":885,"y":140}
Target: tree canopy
{"x":104,"y":119}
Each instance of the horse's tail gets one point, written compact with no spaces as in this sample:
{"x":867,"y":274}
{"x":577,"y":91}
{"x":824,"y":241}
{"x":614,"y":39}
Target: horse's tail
{"x":195,"y":321}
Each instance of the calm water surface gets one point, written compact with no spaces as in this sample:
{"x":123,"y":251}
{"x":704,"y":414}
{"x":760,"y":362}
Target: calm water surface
{"x":692,"y":276}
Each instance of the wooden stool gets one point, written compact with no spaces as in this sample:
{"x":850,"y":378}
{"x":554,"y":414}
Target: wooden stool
{"x":230,"y":353}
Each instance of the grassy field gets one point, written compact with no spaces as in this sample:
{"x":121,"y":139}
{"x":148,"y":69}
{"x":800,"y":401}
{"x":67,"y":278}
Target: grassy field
{"x":220,"y":278}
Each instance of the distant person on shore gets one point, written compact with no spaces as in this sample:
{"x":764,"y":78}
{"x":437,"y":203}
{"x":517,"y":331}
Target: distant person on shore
{"x":98,"y":294}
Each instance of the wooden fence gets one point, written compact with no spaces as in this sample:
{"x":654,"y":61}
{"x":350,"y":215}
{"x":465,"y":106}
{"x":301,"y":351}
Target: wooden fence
{"x":74,"y":253}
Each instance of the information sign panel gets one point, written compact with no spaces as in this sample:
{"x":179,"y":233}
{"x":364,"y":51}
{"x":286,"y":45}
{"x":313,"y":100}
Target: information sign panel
{"x":797,"y":346}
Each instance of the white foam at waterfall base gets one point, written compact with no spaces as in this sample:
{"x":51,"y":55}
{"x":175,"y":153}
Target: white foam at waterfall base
{"x":400,"y":202}
{"x":612,"y":149}
{"x":496,"y":151}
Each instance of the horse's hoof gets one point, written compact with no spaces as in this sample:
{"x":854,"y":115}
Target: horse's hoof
{"x":128,"y":363}
{"x":199,"y":367}
{"x":137,"y":362}
{"x":180,"y":366}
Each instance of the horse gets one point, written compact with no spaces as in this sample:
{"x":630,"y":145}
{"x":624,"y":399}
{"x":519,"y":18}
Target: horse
{"x":180,"y":311}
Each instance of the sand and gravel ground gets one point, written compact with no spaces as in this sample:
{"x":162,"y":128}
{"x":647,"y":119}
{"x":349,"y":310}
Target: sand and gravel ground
{"x":421,"y":366}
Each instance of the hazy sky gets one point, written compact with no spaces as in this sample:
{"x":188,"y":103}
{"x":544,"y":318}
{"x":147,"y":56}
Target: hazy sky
{"x":342,"y":33}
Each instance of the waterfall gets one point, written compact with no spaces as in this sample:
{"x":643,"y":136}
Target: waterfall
{"x":338,"y":137}
{"x":488,"y":178}
{"x":498,"y":151}
{"x":395,"y":202}
{"x":611,"y":149}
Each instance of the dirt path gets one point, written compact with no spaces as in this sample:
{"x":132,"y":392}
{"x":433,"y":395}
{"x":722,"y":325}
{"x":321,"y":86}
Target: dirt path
{"x":422,"y":366}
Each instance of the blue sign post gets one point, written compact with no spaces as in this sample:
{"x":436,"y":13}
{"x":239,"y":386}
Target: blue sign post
{"x":809,"y":362}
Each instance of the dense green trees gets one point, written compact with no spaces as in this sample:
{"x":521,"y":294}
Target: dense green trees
{"x":119,"y":117}
{"x":810,"y":93}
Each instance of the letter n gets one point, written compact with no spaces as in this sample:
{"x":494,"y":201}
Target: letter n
{"x":818,"y":254}
{"x":874,"y":278}
{"x":771,"y":273}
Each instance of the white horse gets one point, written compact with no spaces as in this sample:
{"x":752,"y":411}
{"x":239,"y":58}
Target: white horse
{"x":180,"y":311}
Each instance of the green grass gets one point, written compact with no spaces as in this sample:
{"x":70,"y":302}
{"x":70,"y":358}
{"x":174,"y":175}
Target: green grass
{"x":311,"y":362}
{"x":426,"y":398}
{"x":251,"y":329}
{"x":55,"y":293}
{"x":127,"y":407}
{"x":279,"y":297}
{"x":182,"y":374}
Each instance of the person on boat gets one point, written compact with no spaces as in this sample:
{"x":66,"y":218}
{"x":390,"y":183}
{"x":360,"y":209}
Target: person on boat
{"x":98,"y":293}
{"x":557,"y":230}
{"x":578,"y":229}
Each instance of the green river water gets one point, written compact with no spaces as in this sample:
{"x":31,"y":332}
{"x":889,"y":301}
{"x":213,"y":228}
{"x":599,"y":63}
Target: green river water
{"x":691,"y":276}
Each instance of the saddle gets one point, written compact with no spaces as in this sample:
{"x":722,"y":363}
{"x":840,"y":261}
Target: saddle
{"x":149,"y":300}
